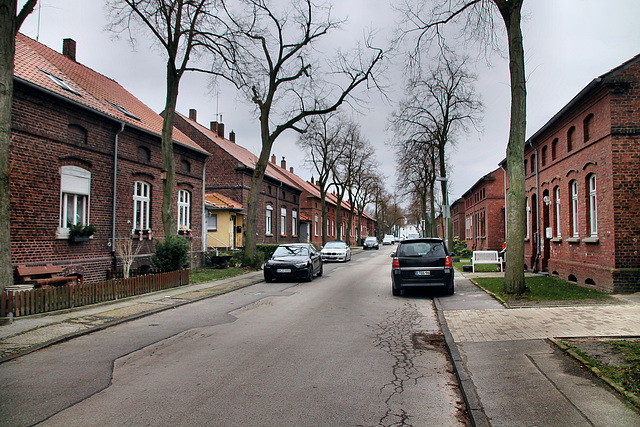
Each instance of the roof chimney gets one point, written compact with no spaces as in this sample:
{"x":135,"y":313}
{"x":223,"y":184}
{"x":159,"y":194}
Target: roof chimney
{"x":69,"y":49}
{"x":312,"y":179}
{"x":291,"y":169}
{"x":213,"y":126}
{"x":232,"y":136}
{"x":193,"y":114}
{"x":221,"y":130}
{"x":273,"y":159}
{"x":283,"y":163}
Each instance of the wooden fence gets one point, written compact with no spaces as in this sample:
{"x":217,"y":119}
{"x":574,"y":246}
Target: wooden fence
{"x":42,"y":300}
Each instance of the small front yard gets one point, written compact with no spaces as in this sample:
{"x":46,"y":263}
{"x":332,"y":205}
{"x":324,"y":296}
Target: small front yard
{"x":544,"y":289}
{"x":617,"y":360}
{"x":203,"y":275}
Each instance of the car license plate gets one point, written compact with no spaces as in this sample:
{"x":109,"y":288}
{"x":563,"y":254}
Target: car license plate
{"x":423,"y":273}
{"x":283,"y":270}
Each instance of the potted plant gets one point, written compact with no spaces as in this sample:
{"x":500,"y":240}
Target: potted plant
{"x":140,"y":233}
{"x":185,"y":231}
{"x":81,"y":233}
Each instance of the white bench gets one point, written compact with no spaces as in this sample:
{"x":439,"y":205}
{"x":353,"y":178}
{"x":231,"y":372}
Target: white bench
{"x":485,"y":257}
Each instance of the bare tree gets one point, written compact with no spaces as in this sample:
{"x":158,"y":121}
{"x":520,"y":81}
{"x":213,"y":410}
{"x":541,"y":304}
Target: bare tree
{"x":478,"y":17}
{"x":183,"y":29}
{"x":10,"y":22}
{"x":125,"y":250}
{"x":440,"y":105}
{"x":321,"y":143}
{"x":277,"y":73}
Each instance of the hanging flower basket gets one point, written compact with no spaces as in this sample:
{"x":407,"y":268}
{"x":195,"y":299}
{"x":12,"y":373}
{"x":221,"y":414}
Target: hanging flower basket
{"x":81,"y":233}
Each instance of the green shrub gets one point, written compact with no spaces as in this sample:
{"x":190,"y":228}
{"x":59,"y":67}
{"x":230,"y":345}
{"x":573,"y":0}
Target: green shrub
{"x":172,"y":254}
{"x":460,"y":249}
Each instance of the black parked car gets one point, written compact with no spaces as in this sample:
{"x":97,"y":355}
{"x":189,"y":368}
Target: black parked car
{"x":421,"y":264}
{"x":293,"y":261}
{"x":370,"y":242}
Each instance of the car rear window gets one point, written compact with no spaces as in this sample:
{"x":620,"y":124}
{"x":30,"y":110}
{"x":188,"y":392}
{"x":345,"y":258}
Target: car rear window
{"x":421,"y":249}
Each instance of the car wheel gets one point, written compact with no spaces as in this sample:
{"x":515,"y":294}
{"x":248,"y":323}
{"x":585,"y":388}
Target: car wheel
{"x":309,"y":277}
{"x":395,"y":292}
{"x":449,"y":291}
{"x":268,"y":278}
{"x":321,"y":272}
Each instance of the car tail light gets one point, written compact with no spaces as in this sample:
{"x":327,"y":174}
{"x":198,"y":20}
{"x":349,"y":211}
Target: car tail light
{"x":448,"y":262}
{"x":396,"y":263}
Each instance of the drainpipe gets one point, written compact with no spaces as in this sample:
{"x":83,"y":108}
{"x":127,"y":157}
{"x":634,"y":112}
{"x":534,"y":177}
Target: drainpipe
{"x":276,"y":220}
{"x":537,"y":237}
{"x":204,"y":210}
{"x":115,"y":193}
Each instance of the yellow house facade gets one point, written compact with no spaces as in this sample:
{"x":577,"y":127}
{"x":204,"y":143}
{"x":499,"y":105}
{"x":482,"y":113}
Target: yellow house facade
{"x":225,"y":222}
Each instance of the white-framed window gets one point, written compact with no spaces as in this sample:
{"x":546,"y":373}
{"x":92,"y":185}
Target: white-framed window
{"x":141,"y":205}
{"x":212,"y":221}
{"x":315,"y":225}
{"x":294,"y":222}
{"x":573,"y":185}
{"x":75,"y":187}
{"x":269,"y":220}
{"x":593,"y":207}
{"x":557,"y":201}
{"x":283,"y":221}
{"x":184,"y":209}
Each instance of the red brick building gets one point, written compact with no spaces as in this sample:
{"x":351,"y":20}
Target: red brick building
{"x":583,"y":186}
{"x":484,"y":219}
{"x":86,"y":151}
{"x":229,"y":172}
{"x":458,"y":215}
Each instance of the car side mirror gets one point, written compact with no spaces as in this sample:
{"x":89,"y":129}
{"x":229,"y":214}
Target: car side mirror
{"x":393,"y":254}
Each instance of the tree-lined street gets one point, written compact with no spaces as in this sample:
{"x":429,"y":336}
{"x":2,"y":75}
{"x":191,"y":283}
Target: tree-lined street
{"x":337,"y":351}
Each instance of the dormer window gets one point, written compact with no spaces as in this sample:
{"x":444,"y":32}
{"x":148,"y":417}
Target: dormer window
{"x":57,"y":80}
{"x":124,"y":111}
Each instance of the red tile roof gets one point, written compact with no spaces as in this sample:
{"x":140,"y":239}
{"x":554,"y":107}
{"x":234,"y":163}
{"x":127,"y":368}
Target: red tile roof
{"x":34,"y":61}
{"x":218,"y":201}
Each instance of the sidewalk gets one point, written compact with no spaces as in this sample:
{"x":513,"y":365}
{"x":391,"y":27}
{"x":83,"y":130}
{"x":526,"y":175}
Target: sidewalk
{"x":31,"y":333}
{"x":511,"y":374}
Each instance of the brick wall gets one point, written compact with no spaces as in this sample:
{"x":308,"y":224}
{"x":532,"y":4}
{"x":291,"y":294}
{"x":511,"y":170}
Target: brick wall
{"x":47,"y":134}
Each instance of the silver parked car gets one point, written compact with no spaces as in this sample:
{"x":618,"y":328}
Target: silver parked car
{"x":336,"y":251}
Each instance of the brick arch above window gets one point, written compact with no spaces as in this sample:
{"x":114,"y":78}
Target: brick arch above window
{"x":182,"y":185}
{"x":75,"y":161}
{"x":143,"y":176}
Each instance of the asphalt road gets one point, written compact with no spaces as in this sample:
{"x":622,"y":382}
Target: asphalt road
{"x":339,"y":351}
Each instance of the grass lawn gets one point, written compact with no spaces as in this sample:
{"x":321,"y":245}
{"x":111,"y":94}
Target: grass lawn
{"x":541,"y":288}
{"x":203,"y":275}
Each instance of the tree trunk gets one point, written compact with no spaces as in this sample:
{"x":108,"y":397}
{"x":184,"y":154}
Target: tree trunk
{"x":516,"y":215}
{"x":7,"y":55}
{"x":168,"y":160}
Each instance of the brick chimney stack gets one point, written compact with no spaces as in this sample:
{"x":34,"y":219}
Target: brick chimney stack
{"x":221,"y":130}
{"x":291,"y":169}
{"x":273,"y":159}
{"x":193,"y":114}
{"x":232,"y":137}
{"x":69,"y":49}
{"x":283,"y":163}
{"x":213,"y":126}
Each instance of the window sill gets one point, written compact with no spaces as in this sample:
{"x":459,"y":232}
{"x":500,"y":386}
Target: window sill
{"x":556,"y":240}
{"x":592,"y":240}
{"x":573,"y":240}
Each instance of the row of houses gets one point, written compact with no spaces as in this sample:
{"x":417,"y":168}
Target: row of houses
{"x":582,"y":189}
{"x":86,"y":151}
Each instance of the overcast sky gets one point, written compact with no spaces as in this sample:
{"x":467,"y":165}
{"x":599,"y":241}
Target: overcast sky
{"x":568,"y":43}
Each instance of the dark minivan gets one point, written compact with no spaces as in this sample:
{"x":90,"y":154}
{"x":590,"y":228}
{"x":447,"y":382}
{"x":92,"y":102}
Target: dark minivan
{"x":421,"y":264}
